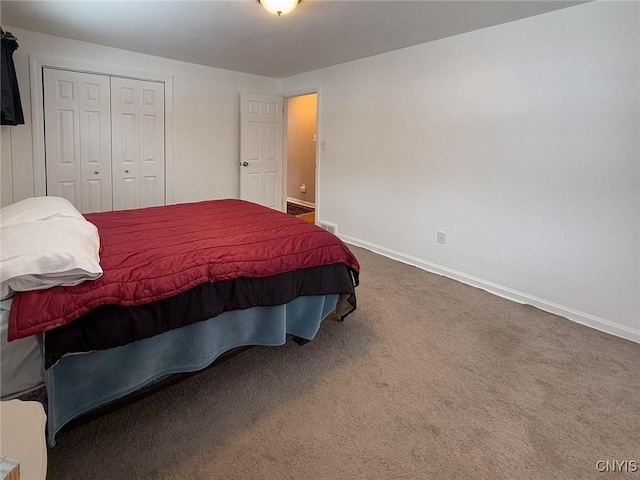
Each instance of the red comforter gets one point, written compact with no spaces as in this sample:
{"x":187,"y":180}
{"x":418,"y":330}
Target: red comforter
{"x":153,"y":253}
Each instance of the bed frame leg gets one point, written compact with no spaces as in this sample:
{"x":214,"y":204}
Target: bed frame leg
{"x":300,"y":340}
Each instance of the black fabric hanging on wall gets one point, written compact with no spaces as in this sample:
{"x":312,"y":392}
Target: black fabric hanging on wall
{"x":11,"y":113}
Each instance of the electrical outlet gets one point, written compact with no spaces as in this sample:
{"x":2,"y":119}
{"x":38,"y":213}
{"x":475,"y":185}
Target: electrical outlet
{"x":328,"y":227}
{"x":442,"y":237}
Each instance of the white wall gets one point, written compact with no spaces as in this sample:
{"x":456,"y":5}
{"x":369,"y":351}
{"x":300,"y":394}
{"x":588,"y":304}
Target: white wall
{"x":520,"y":141}
{"x":6,"y":175}
{"x":206,"y":123}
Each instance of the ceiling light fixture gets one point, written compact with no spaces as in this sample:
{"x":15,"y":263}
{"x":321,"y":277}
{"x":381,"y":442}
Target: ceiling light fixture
{"x":279,"y":7}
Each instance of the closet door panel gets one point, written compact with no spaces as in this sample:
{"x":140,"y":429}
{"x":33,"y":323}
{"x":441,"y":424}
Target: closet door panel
{"x":62,"y":135}
{"x":95,"y":142}
{"x":125,"y":160}
{"x":152,"y":131}
{"x":138,"y":143}
{"x":78,"y":138}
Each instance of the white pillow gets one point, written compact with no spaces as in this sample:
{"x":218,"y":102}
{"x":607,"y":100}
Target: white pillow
{"x":42,"y":254}
{"x":38,"y":209}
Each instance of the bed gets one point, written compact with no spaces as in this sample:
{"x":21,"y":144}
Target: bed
{"x":164,"y":290}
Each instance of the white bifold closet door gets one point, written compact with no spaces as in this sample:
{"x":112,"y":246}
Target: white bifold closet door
{"x":104,"y":140}
{"x":78,"y":138}
{"x":137,"y":125}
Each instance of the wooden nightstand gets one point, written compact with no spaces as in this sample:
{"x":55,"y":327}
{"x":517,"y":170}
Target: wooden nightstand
{"x":22,"y":437}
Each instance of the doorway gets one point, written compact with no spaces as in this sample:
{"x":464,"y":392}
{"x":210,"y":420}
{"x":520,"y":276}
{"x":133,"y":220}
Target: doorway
{"x":301,"y":134}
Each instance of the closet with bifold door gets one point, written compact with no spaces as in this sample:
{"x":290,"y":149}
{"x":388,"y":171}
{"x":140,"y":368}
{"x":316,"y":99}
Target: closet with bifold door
{"x":104,"y":140}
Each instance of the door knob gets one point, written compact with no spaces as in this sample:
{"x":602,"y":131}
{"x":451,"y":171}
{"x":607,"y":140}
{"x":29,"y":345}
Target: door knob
{"x":96,"y":173}
{"x":245,"y":164}
{"x":126,"y":171}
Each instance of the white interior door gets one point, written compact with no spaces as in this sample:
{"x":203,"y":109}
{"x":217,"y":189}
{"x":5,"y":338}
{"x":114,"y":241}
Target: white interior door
{"x":261,"y":149}
{"x":137,"y":120}
{"x":78,"y":138}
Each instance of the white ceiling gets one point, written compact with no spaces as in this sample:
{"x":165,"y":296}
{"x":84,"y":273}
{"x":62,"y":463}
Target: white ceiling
{"x":240,"y":35}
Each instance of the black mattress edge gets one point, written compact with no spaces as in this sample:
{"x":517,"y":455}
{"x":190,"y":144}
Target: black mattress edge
{"x":112,"y":326}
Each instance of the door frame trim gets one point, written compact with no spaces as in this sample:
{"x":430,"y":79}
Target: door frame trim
{"x":286,"y":95}
{"x":38,"y":62}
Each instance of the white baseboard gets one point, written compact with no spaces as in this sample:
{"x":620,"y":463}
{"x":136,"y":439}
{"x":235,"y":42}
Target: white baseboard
{"x":505,"y":292}
{"x":301,"y":202}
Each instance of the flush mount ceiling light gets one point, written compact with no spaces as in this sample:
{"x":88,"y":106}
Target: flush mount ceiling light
{"x":279,"y":7}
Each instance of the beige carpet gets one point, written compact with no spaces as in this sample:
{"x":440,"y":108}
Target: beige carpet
{"x":429,"y":379}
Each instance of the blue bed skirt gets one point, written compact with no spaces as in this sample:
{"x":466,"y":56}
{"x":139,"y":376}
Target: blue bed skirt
{"x":82,"y":382}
